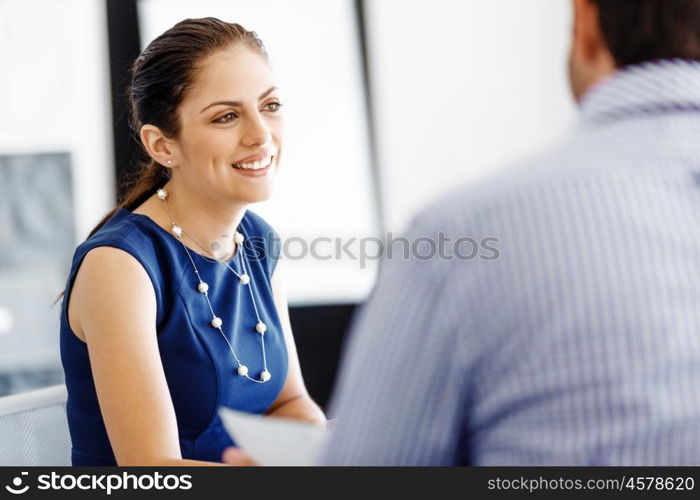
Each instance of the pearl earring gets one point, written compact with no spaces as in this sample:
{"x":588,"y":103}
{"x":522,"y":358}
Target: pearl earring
{"x":170,"y":162}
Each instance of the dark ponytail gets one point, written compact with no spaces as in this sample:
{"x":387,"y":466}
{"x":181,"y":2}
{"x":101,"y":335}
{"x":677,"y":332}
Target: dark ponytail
{"x":160,"y":78}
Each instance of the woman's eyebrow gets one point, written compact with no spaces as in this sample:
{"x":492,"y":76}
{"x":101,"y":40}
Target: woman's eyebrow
{"x":238,"y":103}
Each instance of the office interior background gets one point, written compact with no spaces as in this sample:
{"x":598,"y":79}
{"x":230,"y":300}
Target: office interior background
{"x":389,"y":104}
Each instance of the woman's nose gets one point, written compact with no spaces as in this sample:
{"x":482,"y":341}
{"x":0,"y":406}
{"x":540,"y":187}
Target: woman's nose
{"x":257,"y":132}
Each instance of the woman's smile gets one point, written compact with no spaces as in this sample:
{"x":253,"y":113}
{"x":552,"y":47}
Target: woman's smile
{"x":254,"y":169}
{"x":254,"y":162}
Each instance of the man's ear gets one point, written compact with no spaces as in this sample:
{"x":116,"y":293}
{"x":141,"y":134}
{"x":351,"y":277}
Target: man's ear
{"x":157,"y":145}
{"x":589,"y":43}
{"x":587,"y":33}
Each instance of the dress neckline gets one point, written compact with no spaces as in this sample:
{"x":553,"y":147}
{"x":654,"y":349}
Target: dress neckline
{"x":202,"y":258}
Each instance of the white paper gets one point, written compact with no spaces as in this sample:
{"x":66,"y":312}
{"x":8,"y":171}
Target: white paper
{"x":275,"y":441}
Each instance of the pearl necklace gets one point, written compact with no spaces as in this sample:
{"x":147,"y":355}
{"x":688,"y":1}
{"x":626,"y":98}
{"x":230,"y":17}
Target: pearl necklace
{"x":203,"y":288}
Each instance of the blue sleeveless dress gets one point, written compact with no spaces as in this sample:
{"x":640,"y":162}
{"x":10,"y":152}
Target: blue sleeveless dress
{"x":198,"y":365}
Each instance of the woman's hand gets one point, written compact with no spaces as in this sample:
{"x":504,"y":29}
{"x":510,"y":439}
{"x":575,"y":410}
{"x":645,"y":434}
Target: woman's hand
{"x":323,"y":423}
{"x":236,"y":456}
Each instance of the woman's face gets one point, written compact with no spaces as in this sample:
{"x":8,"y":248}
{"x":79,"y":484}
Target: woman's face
{"x":231,"y":125}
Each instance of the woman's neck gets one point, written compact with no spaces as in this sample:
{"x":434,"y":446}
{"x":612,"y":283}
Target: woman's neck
{"x":208,"y":227}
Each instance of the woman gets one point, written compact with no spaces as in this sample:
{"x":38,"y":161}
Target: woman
{"x":174,"y":305}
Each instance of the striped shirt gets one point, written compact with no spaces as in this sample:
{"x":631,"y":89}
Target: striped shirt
{"x":578,"y":341}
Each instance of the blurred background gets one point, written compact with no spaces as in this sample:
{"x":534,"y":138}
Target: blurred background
{"x":389,"y":104}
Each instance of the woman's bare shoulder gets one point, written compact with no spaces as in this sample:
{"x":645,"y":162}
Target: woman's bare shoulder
{"x":110,"y":280}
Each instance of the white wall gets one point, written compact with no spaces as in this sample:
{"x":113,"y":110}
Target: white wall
{"x":462,"y":88}
{"x":54,"y":93}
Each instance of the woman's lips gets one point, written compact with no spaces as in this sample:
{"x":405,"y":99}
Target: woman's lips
{"x":254,"y":172}
{"x":256,"y":157}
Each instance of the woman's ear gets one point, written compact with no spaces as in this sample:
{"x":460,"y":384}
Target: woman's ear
{"x":157,"y":145}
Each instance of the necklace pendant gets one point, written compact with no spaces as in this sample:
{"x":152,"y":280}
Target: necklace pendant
{"x":245,"y":279}
{"x":203,"y":287}
{"x":216,"y":322}
{"x":162,"y":194}
{"x":242,"y":370}
{"x":261,"y":327}
{"x":177,"y":230}
{"x":265,"y":375}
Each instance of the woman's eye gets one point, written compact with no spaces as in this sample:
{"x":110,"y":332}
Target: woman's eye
{"x":273,"y":106}
{"x":226,"y":118}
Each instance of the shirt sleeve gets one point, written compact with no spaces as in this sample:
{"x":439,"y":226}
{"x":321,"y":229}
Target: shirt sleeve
{"x":264,"y":244}
{"x":274,"y":245}
{"x":400,"y":395}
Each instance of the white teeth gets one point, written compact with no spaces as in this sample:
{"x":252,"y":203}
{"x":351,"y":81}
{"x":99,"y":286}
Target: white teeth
{"x":257,"y":165}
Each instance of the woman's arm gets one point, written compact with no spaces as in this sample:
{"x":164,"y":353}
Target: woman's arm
{"x":294,"y":400}
{"x":116,"y":315}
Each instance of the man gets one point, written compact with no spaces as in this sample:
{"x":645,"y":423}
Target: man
{"x":580,"y":343}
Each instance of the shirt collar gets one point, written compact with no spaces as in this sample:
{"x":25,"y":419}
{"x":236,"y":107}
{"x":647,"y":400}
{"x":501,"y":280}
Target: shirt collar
{"x":647,"y":89}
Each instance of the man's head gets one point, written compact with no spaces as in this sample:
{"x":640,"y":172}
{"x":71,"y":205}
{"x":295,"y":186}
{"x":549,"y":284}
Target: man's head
{"x":610,"y":34}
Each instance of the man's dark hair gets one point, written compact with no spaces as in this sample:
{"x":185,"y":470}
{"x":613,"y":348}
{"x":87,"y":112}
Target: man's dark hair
{"x":644,"y":30}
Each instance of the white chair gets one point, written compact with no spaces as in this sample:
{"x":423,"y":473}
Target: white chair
{"x":34,"y":428}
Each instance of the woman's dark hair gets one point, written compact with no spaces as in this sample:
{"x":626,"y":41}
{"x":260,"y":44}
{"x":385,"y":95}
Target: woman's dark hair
{"x":160,"y":79}
{"x":636,"y":31}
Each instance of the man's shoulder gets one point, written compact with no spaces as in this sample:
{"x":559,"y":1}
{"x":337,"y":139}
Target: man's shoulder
{"x":546,"y":176}
{"x":493,"y":191}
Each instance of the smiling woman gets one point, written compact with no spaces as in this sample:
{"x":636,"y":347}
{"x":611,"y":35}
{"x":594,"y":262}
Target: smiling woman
{"x":174,"y":304}
{"x":216,"y":134}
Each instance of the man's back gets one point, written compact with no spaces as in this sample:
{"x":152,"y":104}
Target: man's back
{"x":580,"y":343}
